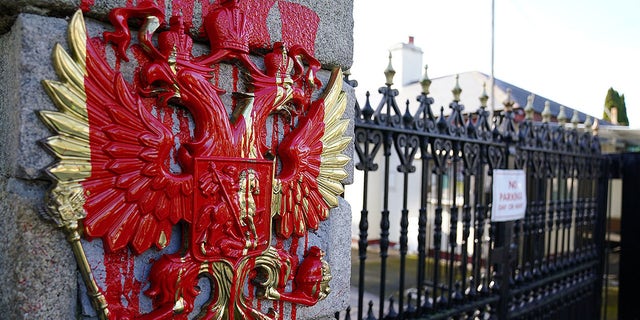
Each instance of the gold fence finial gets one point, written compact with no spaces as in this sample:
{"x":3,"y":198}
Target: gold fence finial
{"x":575,"y":119}
{"x":562,"y":116}
{"x":546,"y":113}
{"x":484,"y":97}
{"x":588,"y":122}
{"x":456,"y":90}
{"x":528,"y":109}
{"x":508,"y":102}
{"x":389,"y":72}
{"x":425,"y":83}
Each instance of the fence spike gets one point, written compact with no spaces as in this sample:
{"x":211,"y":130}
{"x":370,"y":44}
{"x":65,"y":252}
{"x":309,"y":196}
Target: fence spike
{"x":456,"y":296}
{"x":370,"y":315}
{"x":471,"y":292}
{"x":411,"y":309}
{"x":456,"y":90}
{"x":442,"y":300}
{"x":428,"y":301}
{"x":392,"y":310}
{"x":483,"y":97}
{"x":407,"y":118}
{"x":562,"y":116}
{"x":546,"y":113}
{"x":441,"y":124}
{"x":528,"y":109}
{"x":588,"y":122}
{"x":575,"y":119}
{"x":508,"y":102}
{"x":389,"y":72}
{"x":347,"y":315}
{"x":425,"y":83}
{"x":367,"y":111}
{"x":347,"y":74}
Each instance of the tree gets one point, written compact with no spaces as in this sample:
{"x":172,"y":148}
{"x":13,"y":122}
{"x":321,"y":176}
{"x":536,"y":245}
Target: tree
{"x":614,"y":99}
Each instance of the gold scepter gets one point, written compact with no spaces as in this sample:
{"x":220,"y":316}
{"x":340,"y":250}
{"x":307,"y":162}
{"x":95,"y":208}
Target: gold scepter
{"x":66,"y":209}
{"x":65,"y":204}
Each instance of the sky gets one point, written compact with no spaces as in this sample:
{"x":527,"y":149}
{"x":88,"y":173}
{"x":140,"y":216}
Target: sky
{"x":568,"y":51}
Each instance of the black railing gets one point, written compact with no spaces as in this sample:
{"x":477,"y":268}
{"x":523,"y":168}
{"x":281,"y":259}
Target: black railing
{"x":453,"y":261}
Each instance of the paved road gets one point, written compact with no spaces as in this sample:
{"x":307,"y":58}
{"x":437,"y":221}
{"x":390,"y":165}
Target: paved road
{"x":366,"y":298}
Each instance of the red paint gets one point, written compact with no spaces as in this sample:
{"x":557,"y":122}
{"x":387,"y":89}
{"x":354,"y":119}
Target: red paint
{"x":256,"y":13}
{"x":299,"y":25}
{"x":162,"y":3}
{"x":275,"y":132}
{"x":215,"y":73}
{"x":85,"y":5}
{"x":234,"y":74}
{"x":184,"y":8}
{"x":133,"y":199}
{"x":121,"y":283}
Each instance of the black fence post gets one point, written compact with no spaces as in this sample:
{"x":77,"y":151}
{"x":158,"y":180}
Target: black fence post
{"x":501,"y":256}
{"x":630,"y":238}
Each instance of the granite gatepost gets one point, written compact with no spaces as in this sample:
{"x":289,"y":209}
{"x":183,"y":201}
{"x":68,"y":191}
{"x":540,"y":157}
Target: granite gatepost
{"x":39,"y":274}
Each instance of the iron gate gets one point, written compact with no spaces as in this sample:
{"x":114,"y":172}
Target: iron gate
{"x":548,"y":265}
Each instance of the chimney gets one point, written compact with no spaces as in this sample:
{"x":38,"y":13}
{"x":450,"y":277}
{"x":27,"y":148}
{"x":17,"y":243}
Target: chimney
{"x":407,"y":60}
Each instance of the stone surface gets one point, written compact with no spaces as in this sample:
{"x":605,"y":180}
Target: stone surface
{"x":333,"y":44}
{"x":37,"y":265}
{"x":39,"y":272}
{"x":335,"y":235}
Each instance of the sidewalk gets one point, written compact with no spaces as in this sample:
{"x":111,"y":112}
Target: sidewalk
{"x":366,"y":298}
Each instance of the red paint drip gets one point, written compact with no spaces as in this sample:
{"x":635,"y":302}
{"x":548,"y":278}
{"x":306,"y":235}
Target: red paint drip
{"x":185,"y":134}
{"x":299,"y":25}
{"x":256,"y":13}
{"x":274,"y":133}
{"x":234,"y":73}
{"x":85,"y":5}
{"x":184,"y":8}
{"x":141,"y":57}
{"x":282,"y":310}
{"x":206,"y":6}
{"x":162,"y":4}
{"x":121,"y":283}
{"x":293,"y":250}
{"x":167,"y":118}
{"x":235,"y":78}
{"x":216,"y":75}
{"x":293,"y":310}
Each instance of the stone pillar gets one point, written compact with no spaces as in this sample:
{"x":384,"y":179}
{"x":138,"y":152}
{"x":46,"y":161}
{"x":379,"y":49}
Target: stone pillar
{"x":40,"y":278}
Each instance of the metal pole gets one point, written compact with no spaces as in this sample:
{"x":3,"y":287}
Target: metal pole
{"x":493,"y":15}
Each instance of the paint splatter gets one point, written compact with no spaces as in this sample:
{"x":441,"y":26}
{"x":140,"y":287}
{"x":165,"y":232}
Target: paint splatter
{"x":85,"y":5}
{"x":299,"y":25}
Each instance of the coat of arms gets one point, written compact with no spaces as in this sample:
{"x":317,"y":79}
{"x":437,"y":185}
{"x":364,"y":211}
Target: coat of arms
{"x":244,"y":179}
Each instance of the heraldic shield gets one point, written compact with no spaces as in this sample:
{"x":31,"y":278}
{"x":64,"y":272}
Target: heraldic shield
{"x":233,"y":217}
{"x":236,"y":183}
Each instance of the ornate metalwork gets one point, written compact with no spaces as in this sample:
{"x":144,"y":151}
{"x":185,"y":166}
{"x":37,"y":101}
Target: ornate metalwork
{"x":232,"y":181}
{"x":467,"y":266}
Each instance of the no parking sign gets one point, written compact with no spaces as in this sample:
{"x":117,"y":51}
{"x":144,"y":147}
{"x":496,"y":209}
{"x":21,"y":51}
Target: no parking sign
{"x":509,"y":195}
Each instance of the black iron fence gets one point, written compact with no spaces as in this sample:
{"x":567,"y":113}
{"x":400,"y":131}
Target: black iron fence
{"x":427,"y":230}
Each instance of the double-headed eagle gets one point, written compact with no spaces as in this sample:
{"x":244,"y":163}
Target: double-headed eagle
{"x":272,"y":160}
